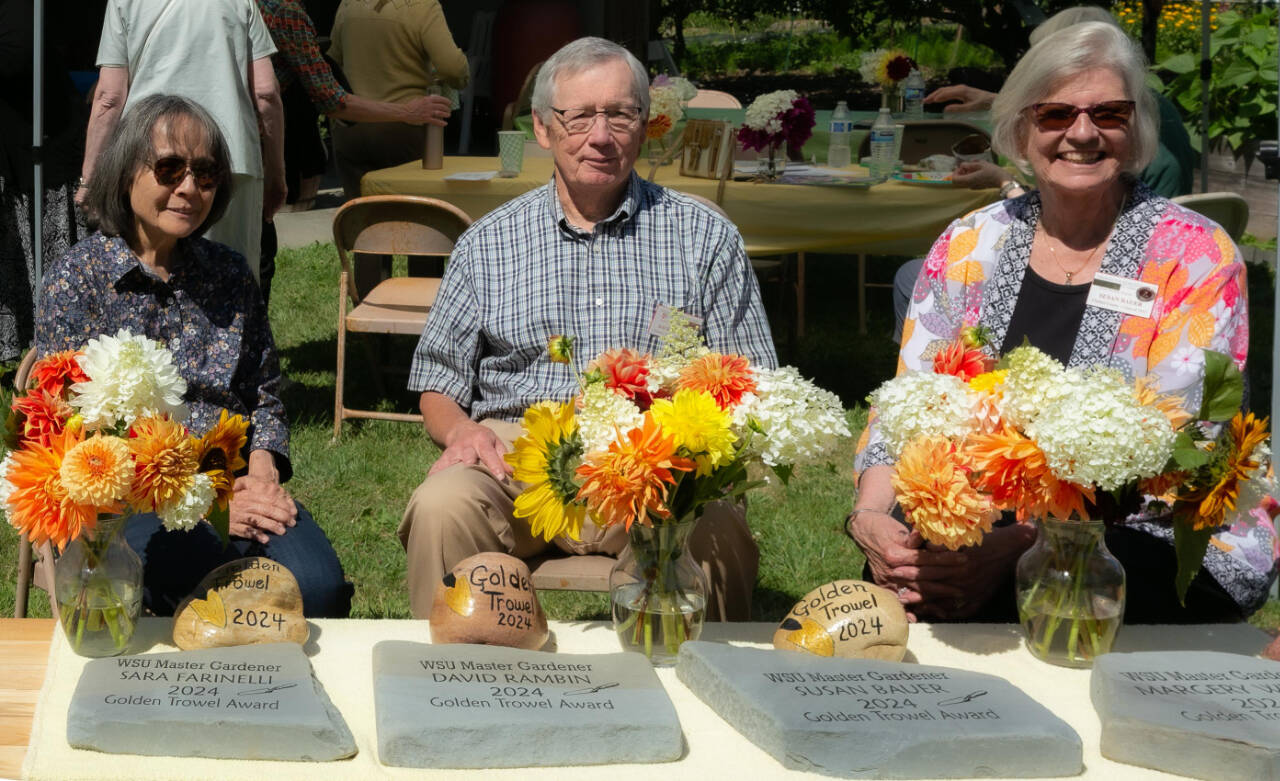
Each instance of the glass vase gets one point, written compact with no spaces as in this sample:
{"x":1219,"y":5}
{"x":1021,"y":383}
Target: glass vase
{"x":658,"y":592}
{"x":771,"y":162}
{"x":1070,"y":593}
{"x":98,"y":584}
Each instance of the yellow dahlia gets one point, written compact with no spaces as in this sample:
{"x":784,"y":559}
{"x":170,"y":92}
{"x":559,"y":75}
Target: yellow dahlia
{"x":989,"y":382}
{"x":220,"y":454}
{"x":39,"y":505}
{"x":726,"y":377}
{"x":628,"y":482}
{"x":166,"y":463}
{"x":544,"y":457}
{"x":932,"y":485}
{"x":98,"y":471}
{"x":699,"y":427}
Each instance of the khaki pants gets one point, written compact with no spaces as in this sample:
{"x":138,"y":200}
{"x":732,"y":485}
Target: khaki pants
{"x":463,"y":510}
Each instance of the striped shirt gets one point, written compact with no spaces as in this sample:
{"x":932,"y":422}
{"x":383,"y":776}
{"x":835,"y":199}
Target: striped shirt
{"x":522,"y":274}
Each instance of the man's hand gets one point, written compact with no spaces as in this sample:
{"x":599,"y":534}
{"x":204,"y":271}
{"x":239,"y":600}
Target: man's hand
{"x":979,"y":175}
{"x":900,"y":562}
{"x":971,"y":98}
{"x":428,"y":109}
{"x":471,"y":443}
{"x":260,"y":507}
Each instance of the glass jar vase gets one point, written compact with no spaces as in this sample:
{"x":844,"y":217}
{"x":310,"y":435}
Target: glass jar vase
{"x":1070,"y":592}
{"x":98,"y":585}
{"x":771,"y":162}
{"x":657,"y":591}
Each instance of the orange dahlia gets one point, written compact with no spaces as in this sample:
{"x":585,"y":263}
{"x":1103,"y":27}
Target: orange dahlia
{"x":659,"y":126}
{"x":56,"y":372}
{"x":98,"y":471}
{"x":627,"y":372}
{"x":932,"y":485}
{"x":726,"y":377}
{"x":166,"y":462}
{"x":219,"y":453}
{"x":961,"y":361}
{"x":44,"y":415}
{"x":627,"y":483}
{"x":40,"y":506}
{"x":1013,"y":471}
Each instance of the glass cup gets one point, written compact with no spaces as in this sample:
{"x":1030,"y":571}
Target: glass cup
{"x":510,"y":152}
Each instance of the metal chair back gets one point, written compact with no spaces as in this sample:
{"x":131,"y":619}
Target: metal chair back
{"x":1228,"y":209}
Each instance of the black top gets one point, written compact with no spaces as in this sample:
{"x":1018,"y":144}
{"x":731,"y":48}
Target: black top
{"x":1048,"y":315}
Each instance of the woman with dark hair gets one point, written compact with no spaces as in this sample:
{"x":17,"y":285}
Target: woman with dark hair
{"x":161,"y":182}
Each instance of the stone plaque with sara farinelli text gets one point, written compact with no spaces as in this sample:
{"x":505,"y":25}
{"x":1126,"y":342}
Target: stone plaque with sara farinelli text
{"x":1203,"y":714}
{"x":479,"y":706}
{"x":862,"y":718}
{"x":246,"y":702}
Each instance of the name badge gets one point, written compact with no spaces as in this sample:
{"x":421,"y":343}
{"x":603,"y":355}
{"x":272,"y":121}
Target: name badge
{"x":660,"y":322}
{"x":1121,"y":294}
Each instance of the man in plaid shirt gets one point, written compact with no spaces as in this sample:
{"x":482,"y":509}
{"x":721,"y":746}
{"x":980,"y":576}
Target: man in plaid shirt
{"x":594,"y":254}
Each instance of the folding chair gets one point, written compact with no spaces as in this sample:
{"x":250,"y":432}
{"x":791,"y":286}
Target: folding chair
{"x":34,"y":567}
{"x":389,"y":225}
{"x":1229,"y":210}
{"x":714,"y":98}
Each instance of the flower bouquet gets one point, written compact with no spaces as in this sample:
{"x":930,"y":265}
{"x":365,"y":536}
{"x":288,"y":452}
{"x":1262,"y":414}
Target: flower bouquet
{"x":1074,"y":449}
{"x":667,"y":98}
{"x":886,"y":68}
{"x":96,"y":437}
{"x":648,"y":443}
{"x":775,"y":119}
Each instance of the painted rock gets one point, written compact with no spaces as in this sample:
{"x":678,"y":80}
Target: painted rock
{"x":488,"y":599}
{"x":847,"y":618}
{"x":246,"y":601}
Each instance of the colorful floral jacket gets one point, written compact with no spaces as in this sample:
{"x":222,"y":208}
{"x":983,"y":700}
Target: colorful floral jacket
{"x":974,"y":272}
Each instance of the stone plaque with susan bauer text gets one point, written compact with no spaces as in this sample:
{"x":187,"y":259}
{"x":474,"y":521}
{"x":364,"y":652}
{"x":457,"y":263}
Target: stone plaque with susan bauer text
{"x":478,"y":706}
{"x":246,"y":702}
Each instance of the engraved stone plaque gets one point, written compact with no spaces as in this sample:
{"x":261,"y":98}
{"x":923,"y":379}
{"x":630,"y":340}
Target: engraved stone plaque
{"x":847,"y":618}
{"x":474,"y":706}
{"x":488,"y":599}
{"x":862,"y":718}
{"x":248,"y":702}
{"x":250,"y":600}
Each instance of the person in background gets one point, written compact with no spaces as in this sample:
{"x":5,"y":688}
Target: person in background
{"x":216,"y":53}
{"x":161,"y":181}
{"x":392,"y":52}
{"x":1075,"y":109}
{"x":307,"y":82}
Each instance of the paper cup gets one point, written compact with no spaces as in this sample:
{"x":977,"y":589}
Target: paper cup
{"x":510,"y":152}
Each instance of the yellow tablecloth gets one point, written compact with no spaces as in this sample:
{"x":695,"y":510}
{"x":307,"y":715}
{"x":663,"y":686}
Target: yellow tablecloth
{"x":341,"y":654}
{"x":888,"y":218}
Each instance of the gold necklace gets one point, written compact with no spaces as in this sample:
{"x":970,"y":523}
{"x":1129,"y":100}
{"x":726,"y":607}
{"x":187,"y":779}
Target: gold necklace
{"x":1054,"y":253}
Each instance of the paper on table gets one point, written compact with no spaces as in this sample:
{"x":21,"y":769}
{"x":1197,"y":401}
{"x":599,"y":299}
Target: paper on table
{"x":471,"y":176}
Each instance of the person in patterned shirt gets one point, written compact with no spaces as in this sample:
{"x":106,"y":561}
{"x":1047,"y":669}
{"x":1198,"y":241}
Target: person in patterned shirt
{"x":595,"y":254}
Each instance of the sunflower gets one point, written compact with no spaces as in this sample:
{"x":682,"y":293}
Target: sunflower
{"x":166,"y":462}
{"x":543,"y":457}
{"x":39,"y":505}
{"x":56,"y":372}
{"x":98,"y":471}
{"x":1146,"y":393}
{"x":628,"y":482}
{"x":699,"y":427}
{"x":1014,"y":472}
{"x":726,"y":377}
{"x":931,"y":480}
{"x":1233,"y":467}
{"x":219,"y":453}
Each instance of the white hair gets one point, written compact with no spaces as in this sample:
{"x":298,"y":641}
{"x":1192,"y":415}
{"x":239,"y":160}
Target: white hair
{"x":1065,"y":18}
{"x":577,"y":56}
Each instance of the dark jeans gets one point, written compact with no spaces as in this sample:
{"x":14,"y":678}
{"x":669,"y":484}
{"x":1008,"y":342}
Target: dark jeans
{"x":174,"y":563}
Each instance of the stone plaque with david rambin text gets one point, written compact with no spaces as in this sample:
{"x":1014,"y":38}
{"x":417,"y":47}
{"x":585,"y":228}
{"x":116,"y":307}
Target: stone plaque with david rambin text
{"x":1203,"y":714}
{"x":862,"y":718}
{"x":478,"y":706}
{"x":246,"y":702}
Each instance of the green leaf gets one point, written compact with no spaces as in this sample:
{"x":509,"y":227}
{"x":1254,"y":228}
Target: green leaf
{"x":784,"y":472}
{"x":1189,"y":545}
{"x":220,"y":519}
{"x":1186,"y":454}
{"x":1223,"y":388}
{"x":1180,"y":63}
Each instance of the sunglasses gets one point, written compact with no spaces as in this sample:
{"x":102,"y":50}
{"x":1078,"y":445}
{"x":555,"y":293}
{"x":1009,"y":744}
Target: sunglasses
{"x":1107,"y":115}
{"x":170,"y":171}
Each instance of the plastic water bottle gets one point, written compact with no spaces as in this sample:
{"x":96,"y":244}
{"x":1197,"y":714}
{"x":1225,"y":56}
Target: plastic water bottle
{"x":838,"y":152}
{"x":913,"y":96}
{"x":882,"y":133}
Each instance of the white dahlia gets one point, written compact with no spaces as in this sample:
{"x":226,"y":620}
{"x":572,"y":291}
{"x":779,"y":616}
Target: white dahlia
{"x":130,"y":376}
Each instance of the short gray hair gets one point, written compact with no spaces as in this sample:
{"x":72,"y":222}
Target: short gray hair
{"x":133,"y":146}
{"x":1057,"y":59}
{"x":579,"y":55}
{"x":1065,"y":18}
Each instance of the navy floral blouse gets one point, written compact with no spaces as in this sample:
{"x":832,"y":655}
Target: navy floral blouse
{"x":209,"y":314}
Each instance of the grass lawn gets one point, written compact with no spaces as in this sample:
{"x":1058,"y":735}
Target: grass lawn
{"x":357,"y":487}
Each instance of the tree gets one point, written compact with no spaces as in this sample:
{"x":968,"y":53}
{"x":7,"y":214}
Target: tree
{"x":673,"y":13}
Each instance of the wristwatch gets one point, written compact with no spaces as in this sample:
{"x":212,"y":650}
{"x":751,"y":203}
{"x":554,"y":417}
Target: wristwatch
{"x":1009,"y":187}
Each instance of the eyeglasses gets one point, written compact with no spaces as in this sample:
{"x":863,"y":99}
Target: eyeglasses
{"x":620,"y":119}
{"x":1107,"y":115}
{"x":170,"y":171}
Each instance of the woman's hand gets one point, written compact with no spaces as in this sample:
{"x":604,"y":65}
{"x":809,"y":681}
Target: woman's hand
{"x":985,"y":569}
{"x":901,"y":562}
{"x":971,"y":98}
{"x":979,"y":175}
{"x":259,"y":504}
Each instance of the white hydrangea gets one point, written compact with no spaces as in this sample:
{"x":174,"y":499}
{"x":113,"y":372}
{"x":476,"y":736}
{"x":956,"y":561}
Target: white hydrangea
{"x":802,"y":423}
{"x":1097,"y":434}
{"x":922,"y":404}
{"x":603,"y":414}
{"x":681,"y":345}
{"x":665,"y":100}
{"x":186,"y":511}
{"x":1035,"y":381}
{"x":765,"y":112}
{"x":6,"y":487}
{"x":130,"y":376}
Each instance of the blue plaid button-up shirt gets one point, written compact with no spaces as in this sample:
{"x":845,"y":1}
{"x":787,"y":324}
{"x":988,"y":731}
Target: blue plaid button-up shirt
{"x":522,"y":274}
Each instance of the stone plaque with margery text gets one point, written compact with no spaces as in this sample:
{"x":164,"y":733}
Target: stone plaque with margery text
{"x":1195,"y":713}
{"x":479,"y":706}
{"x":246,"y":702}
{"x":863,"y":718}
